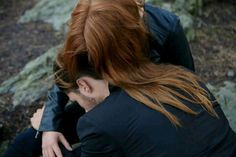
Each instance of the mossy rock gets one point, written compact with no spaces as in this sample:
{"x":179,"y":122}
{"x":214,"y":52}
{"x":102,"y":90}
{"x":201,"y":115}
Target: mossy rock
{"x":33,"y":81}
{"x":226,"y":96}
{"x":55,"y":12}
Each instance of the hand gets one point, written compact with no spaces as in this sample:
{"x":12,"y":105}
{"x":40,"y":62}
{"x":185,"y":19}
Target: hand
{"x":36,"y":119}
{"x":50,"y":147}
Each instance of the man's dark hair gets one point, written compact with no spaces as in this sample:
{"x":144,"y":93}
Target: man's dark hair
{"x":61,"y":75}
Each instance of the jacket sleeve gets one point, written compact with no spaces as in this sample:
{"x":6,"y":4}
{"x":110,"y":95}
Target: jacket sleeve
{"x":168,"y":43}
{"x":178,"y":48}
{"x":54,"y":109}
{"x":94,"y":142}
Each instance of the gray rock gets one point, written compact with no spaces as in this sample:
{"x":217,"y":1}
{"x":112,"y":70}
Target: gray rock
{"x":226,"y":95}
{"x":55,"y":12}
{"x":190,"y":6}
{"x":187,"y":23}
{"x":33,"y":81}
{"x":230,"y":74}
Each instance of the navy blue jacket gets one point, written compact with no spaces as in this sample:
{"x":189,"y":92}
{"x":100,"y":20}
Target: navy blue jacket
{"x":168,"y":44}
{"x":123,"y":127}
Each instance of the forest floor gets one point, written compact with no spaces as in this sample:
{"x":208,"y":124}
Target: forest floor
{"x":214,"y":51}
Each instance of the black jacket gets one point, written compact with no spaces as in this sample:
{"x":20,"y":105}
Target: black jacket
{"x":167,"y":45}
{"x":122,"y":127}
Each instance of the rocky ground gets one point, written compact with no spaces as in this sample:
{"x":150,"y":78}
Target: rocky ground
{"x":19,"y":43}
{"x":214,"y":52}
{"x":214,"y":49}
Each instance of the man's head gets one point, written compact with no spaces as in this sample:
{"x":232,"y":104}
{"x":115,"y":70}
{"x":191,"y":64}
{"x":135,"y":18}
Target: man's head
{"x":112,"y":33}
{"x":87,"y":89}
{"x":89,"y":93}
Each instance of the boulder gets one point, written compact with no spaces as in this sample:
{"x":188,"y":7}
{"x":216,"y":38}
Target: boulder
{"x":56,"y":12}
{"x":33,"y":81}
{"x":226,"y":96}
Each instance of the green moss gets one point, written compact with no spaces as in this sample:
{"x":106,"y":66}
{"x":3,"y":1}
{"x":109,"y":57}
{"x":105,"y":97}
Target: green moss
{"x":3,"y":147}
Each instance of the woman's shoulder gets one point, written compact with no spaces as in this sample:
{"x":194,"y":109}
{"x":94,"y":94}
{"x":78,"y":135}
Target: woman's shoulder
{"x":109,"y":116}
{"x":107,"y":109}
{"x":160,"y":22}
{"x":160,"y":12}
{"x":161,"y":15}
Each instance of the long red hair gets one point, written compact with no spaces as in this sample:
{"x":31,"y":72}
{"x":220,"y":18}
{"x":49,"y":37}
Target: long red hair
{"x":113,"y":35}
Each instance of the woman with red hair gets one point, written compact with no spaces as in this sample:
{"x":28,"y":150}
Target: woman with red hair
{"x":151,"y":109}
{"x":146,"y":33}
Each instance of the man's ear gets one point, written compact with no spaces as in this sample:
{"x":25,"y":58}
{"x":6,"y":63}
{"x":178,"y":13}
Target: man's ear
{"x":84,"y":86}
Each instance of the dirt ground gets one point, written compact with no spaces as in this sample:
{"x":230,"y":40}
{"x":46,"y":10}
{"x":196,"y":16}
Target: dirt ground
{"x":20,"y":43}
{"x":214,"y":51}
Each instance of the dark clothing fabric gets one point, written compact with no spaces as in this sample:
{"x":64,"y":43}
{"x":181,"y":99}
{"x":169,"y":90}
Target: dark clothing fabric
{"x":54,"y":108}
{"x":168,"y":44}
{"x":102,"y":137}
{"x":123,"y":127}
{"x":27,"y":145}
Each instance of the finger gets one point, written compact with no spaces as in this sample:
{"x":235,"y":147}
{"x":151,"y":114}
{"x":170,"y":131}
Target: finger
{"x":44,"y":153}
{"x":32,"y":122}
{"x":47,"y":154}
{"x":33,"y":119}
{"x":51,"y":153}
{"x":65,"y":143}
{"x":38,"y":113}
{"x":57,"y":151}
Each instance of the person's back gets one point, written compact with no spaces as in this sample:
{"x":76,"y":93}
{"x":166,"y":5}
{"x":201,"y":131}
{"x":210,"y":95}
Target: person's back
{"x":167,"y":35}
{"x":128,"y":128}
